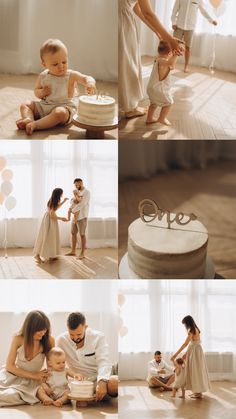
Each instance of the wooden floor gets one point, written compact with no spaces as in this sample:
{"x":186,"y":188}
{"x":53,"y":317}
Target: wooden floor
{"x":204,"y":107}
{"x":209,"y":193}
{"x":137,"y":401}
{"x":98,"y":264}
{"x":15,"y":90}
{"x":103,"y":410}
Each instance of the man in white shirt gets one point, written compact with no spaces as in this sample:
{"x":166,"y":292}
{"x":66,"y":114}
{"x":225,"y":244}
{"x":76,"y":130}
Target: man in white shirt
{"x":82,"y":219}
{"x":160,"y":374}
{"x":87,"y":354}
{"x":184,"y":20}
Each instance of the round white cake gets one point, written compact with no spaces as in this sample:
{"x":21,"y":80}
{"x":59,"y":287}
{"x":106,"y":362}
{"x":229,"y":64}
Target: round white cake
{"x":96,"y":110}
{"x":156,"y":252}
{"x":82,"y":389}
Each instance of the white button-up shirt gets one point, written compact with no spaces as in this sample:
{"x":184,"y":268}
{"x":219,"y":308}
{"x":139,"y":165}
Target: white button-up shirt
{"x":185,"y":12}
{"x":154,"y":368}
{"x":83,"y":206}
{"x":92,"y":360}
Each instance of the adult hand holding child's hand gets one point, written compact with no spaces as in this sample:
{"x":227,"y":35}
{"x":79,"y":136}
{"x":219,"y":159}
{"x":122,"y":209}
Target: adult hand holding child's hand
{"x":41,"y":376}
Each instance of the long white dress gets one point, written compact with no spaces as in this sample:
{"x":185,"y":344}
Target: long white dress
{"x":130,"y":69}
{"x":18,"y":390}
{"x":47,"y":244}
{"x":197,"y":378}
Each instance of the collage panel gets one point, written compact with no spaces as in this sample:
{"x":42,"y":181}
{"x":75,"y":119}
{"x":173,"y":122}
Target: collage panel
{"x":58,"y":212}
{"x":177,"y":349}
{"x":53,"y":323}
{"x":58,"y":69}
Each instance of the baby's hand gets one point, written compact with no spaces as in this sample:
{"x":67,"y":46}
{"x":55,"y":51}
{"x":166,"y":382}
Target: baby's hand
{"x":47,"y":90}
{"x":90,"y":89}
{"x":79,"y":377}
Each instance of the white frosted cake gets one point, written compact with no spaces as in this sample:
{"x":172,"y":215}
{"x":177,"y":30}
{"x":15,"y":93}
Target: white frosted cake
{"x":156,"y":252}
{"x":82,"y":389}
{"x":96,"y":110}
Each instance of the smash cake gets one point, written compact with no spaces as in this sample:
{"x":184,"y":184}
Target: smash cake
{"x":97,"y":110}
{"x":82,"y":389}
{"x":164,"y":245}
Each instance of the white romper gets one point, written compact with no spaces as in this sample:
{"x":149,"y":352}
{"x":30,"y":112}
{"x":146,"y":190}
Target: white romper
{"x":159,"y":91}
{"x":180,"y":380}
{"x":58,"y":97}
{"x":58,"y":383}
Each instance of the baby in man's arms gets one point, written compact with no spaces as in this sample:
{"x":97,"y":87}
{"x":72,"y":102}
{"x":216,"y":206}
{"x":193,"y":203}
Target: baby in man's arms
{"x":73,"y":204}
{"x":55,"y":391}
{"x":55,"y":87}
{"x":180,"y":377}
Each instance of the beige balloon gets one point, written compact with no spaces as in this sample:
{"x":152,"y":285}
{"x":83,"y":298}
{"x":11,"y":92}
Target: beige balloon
{"x":2,"y":197}
{"x":2,"y":162}
{"x":7,"y":174}
{"x":121,"y":299}
{"x":123,"y":331}
{"x":215,"y":3}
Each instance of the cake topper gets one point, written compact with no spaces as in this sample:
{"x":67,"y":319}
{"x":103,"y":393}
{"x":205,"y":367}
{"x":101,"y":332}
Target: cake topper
{"x":153,"y":211}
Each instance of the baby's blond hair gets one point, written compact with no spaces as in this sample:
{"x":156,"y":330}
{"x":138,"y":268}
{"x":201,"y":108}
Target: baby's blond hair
{"x":56,"y":351}
{"x":51,"y":46}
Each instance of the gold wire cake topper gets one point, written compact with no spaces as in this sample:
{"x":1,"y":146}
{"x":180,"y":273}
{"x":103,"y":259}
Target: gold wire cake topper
{"x":155,"y":212}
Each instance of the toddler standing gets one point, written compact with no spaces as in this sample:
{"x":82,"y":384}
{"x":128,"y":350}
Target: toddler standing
{"x":180,"y":377}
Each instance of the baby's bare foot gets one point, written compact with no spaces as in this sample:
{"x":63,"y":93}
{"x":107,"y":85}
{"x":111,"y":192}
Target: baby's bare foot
{"x":21,"y":123}
{"x":151,"y":121}
{"x":167,"y":122}
{"x":30,"y":127}
{"x":48,"y":402}
{"x":58,"y":403}
{"x":37,"y":259}
{"x":182,"y":397}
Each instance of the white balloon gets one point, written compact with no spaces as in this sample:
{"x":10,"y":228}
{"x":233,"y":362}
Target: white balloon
{"x":6,"y":187}
{"x":10,"y":203}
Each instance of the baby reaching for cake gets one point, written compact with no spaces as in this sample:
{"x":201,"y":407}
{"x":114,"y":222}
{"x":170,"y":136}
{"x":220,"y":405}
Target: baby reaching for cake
{"x":56,"y":389}
{"x":55,"y":87}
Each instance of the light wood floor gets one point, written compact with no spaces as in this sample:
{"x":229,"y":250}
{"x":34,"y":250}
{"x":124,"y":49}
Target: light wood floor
{"x":105,"y":410}
{"x":137,"y":401}
{"x":17,"y":89}
{"x":98,"y":264}
{"x":204,"y":108}
{"x":208,"y":193}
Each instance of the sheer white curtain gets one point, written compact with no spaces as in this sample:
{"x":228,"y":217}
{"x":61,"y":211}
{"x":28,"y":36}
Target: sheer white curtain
{"x":88,"y":28}
{"x":224,"y":35}
{"x":57,"y":301}
{"x":153,"y":310}
{"x":40,"y":166}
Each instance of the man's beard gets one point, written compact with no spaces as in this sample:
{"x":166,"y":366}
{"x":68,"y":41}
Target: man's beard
{"x":78,"y":340}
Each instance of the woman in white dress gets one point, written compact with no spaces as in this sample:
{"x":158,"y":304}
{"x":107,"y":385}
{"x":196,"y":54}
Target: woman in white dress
{"x":22,"y":375}
{"x":197,"y":378}
{"x":47,"y":245}
{"x":130,"y":72}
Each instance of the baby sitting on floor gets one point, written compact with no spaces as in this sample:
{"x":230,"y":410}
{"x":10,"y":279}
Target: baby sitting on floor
{"x":55,"y":87}
{"x":56,"y":389}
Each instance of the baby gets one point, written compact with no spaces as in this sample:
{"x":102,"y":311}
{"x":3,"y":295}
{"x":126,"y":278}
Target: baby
{"x":55,"y":391}
{"x":180,"y":377}
{"x":159,"y":85}
{"x":55,"y":87}
{"x":73,"y":203}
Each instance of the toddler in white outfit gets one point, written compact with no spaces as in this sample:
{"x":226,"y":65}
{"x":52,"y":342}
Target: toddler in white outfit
{"x":73,"y":204}
{"x":180,"y":377}
{"x":55,"y":391}
{"x":159,"y":85}
{"x":55,"y":87}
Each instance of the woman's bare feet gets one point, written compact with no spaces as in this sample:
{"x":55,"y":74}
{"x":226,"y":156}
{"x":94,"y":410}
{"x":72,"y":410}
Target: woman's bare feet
{"x":37,"y":259}
{"x":21,"y":123}
{"x":136,"y":112}
{"x":186,"y":70}
{"x":81,"y":256}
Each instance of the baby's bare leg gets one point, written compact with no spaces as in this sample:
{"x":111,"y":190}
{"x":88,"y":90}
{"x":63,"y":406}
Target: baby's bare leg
{"x":28,"y":113}
{"x":174,"y":391}
{"x":183,"y":393}
{"x":163,"y":114}
{"x":150,"y":115}
{"x":62,"y":400}
{"x":58,"y":116}
{"x":43,"y":397}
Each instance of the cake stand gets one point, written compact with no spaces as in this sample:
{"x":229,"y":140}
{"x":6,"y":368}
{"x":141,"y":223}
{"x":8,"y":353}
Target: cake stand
{"x":81,"y":401}
{"x":94,"y":132}
{"x":126,"y":273}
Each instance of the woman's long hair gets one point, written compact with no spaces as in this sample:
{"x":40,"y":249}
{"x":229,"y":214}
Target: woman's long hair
{"x":35,"y":321}
{"x":190,"y":324}
{"x":55,"y":199}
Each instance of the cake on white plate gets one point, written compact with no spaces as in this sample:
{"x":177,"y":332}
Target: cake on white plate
{"x":97,"y":110}
{"x":82,"y":389}
{"x":158,"y":252}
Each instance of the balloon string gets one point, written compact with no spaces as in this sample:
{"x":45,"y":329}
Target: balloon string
{"x":5,"y":238}
{"x":212,"y":65}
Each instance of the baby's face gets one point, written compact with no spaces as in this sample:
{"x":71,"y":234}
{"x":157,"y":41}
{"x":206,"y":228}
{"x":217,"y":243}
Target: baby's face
{"x":57,"y":362}
{"x":57,"y":63}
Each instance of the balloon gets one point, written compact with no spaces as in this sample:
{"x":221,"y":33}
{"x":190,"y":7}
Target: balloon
{"x":7,"y":174}
{"x":3,"y":162}
{"x":121,"y":299}
{"x":2,"y":197}
{"x":10,"y":203}
{"x":220,"y":10}
{"x":123,"y":331}
{"x":215,"y":3}
{"x":6,"y":187}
